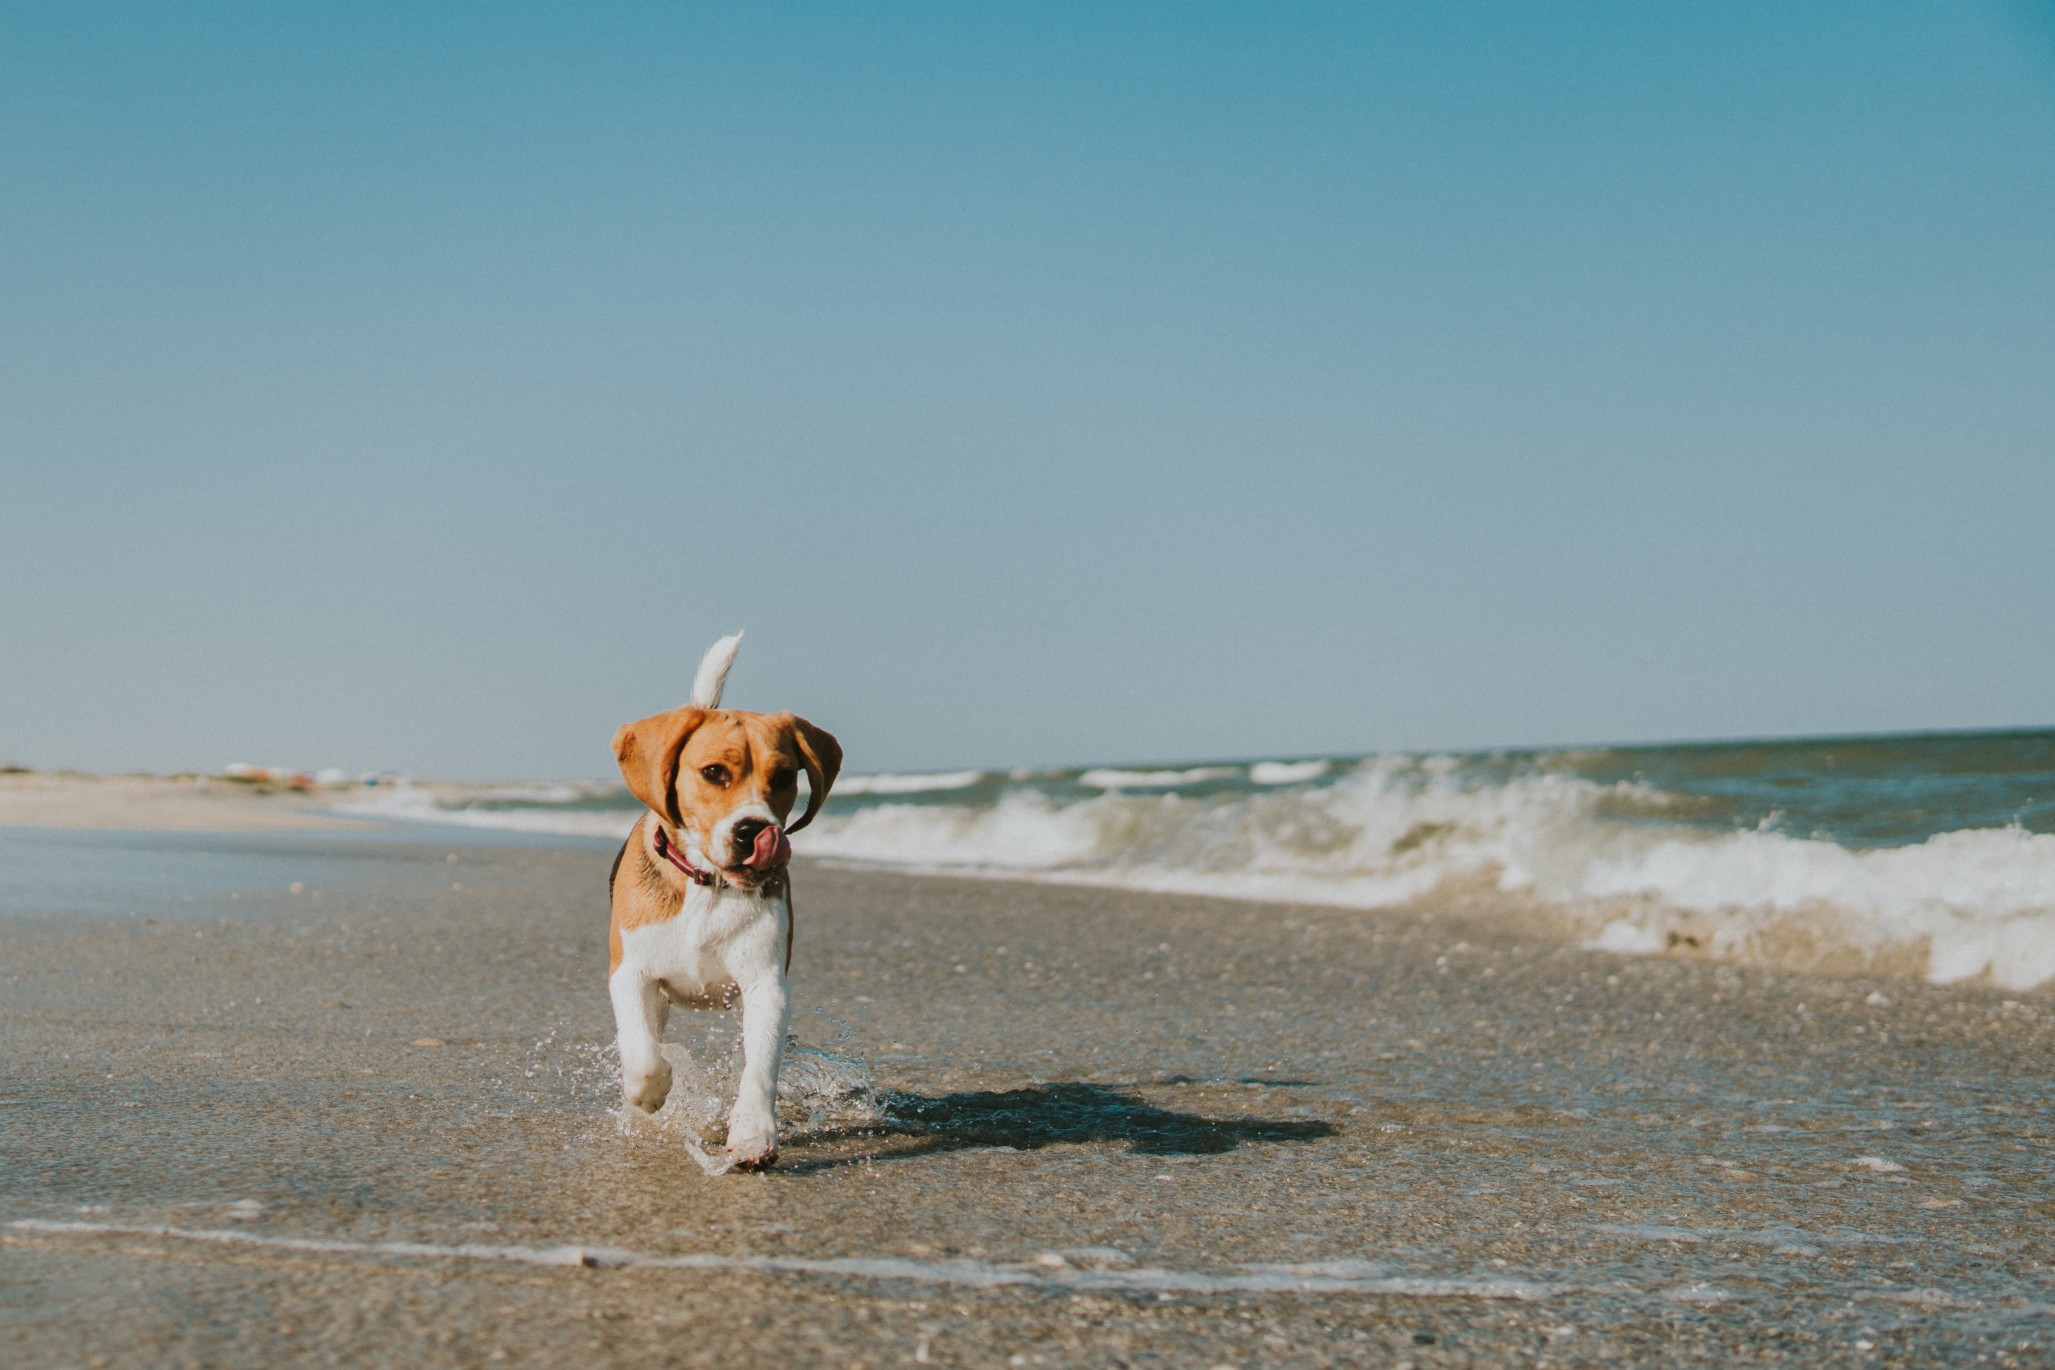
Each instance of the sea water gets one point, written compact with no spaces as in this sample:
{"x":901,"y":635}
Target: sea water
{"x":1930,"y":855}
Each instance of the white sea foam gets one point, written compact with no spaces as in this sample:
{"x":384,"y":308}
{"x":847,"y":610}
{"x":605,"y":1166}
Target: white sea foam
{"x":1286,"y":772}
{"x":1561,"y":854}
{"x":1980,"y":900}
{"x":1107,"y":778}
{"x":1959,"y":905}
{"x":542,"y":793}
{"x":1023,"y":832}
{"x":907,"y":784}
{"x":461,"y":806}
{"x":1325,"y":1278}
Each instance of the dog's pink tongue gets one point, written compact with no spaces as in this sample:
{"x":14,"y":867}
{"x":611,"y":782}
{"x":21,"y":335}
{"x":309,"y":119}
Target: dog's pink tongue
{"x":771,"y":849}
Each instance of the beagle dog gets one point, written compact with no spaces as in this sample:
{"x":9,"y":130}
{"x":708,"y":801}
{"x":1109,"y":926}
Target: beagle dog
{"x":702,"y":900}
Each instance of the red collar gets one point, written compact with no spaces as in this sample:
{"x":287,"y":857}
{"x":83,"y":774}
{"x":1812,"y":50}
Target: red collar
{"x":677,"y":858}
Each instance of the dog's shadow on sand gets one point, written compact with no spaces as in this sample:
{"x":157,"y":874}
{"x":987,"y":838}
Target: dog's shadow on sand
{"x":1045,"y":1115}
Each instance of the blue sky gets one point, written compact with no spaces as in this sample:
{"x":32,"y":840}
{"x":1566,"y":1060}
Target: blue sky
{"x":423,"y":387}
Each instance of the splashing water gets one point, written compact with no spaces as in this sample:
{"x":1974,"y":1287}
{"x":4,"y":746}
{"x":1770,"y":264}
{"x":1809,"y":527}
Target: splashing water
{"x":821,"y":1090}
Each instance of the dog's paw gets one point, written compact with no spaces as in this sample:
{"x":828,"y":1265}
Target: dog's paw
{"x":752,"y":1145}
{"x":648,"y":1090}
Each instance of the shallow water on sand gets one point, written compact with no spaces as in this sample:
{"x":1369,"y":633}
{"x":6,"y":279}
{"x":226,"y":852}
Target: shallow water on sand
{"x":46,"y":872}
{"x":1092,"y":1126}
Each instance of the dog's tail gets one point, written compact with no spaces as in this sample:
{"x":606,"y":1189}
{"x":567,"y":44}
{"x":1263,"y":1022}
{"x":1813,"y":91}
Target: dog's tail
{"x":712,"y":676}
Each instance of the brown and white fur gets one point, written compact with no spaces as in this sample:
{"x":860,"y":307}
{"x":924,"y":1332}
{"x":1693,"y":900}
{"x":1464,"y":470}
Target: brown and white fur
{"x":720,"y":785}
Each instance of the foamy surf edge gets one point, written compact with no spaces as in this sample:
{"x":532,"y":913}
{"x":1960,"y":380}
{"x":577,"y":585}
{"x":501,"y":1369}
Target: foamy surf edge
{"x":1546,"y":854}
{"x":1058,"y":1274}
{"x":1604,"y":865}
{"x":466,"y":806}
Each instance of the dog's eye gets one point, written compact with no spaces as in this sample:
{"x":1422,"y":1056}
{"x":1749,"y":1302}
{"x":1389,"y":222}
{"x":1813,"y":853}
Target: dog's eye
{"x":714,"y":775}
{"x":781,"y":777}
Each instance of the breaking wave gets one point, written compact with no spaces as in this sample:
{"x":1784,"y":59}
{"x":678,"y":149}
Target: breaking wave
{"x":1912,"y":856}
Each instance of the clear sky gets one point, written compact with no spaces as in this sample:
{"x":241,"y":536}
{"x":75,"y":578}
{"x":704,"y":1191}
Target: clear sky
{"x":422,"y":387}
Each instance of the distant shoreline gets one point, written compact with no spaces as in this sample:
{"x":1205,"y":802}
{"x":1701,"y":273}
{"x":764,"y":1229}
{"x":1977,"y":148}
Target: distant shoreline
{"x":73,"y":799}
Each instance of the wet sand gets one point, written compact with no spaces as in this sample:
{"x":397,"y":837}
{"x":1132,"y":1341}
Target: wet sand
{"x":371,"y":1123}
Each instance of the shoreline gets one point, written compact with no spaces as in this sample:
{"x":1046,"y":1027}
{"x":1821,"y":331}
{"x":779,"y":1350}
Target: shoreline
{"x":1810,"y":941}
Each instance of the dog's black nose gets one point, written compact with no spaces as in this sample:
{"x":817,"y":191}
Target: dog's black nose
{"x":743,"y":834}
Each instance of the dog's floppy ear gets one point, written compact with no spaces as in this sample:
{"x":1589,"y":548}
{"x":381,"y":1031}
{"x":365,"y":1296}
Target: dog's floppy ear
{"x":822,"y":756}
{"x":648,"y":752}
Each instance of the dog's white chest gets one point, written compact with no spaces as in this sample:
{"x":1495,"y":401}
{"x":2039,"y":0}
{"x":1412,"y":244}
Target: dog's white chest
{"x":720,"y":937}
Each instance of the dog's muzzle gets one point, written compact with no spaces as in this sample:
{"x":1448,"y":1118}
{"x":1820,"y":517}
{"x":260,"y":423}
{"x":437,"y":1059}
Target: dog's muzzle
{"x":768,"y":846}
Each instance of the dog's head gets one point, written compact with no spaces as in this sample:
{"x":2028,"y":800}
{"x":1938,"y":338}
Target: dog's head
{"x":726,"y":780}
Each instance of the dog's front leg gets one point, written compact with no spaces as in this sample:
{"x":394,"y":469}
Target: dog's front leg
{"x":640,"y":1008}
{"x":753,"y":1125}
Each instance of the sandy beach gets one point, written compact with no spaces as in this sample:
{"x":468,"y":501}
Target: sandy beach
{"x":188,"y":803}
{"x":346,"y":1098}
